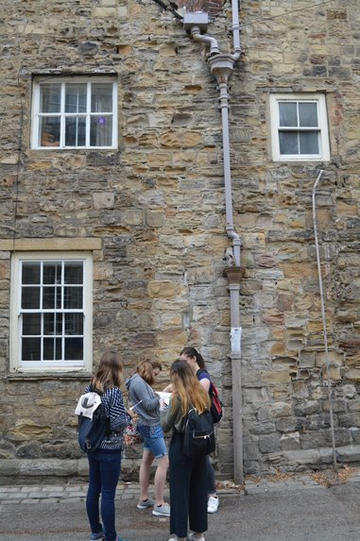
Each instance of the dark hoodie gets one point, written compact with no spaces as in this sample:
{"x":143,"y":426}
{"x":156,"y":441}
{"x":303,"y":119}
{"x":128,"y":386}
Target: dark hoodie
{"x":148,"y":409}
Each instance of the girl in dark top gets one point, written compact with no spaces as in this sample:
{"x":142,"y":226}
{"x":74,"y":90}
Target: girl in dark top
{"x":188,"y":494}
{"x":104,"y":463}
{"x":197,"y":363}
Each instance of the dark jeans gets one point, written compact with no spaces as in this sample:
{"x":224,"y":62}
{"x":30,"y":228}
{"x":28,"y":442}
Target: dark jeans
{"x":210,"y":474}
{"x":104,"y":471}
{"x":188,"y":490}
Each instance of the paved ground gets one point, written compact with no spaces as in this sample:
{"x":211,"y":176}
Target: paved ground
{"x":297,"y":509}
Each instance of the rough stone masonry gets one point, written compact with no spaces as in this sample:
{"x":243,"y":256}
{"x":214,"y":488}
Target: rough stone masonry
{"x":156,"y":205}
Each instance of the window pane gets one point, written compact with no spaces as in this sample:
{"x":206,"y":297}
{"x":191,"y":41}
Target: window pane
{"x":52,"y":349}
{"x":74,"y":324}
{"x":30,"y":349}
{"x":73,"y":297}
{"x":31,"y":273}
{"x":309,"y":142}
{"x":75,"y":130}
{"x":288,"y":142}
{"x":75,"y":98}
{"x":50,"y":96}
{"x":101,"y":131}
{"x":73,"y":349}
{"x":30,"y":297}
{"x":73,"y":273}
{"x":101,"y":97}
{"x":58,"y":349}
{"x":52,"y":273}
{"x":49,"y":349}
{"x":31,"y":324}
{"x":49,"y":323}
{"x":308,"y":114}
{"x":288,"y":115}
{"x":58,"y":297}
{"x":48,"y":297}
{"x":49,"y":131}
{"x":59,"y":323}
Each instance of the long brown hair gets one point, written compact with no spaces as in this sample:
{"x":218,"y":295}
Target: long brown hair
{"x":187,"y":388}
{"x":146,"y":371}
{"x":109,"y":372}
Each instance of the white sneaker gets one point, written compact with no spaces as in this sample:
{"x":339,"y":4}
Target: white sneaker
{"x":191,"y":537}
{"x":213,"y":504}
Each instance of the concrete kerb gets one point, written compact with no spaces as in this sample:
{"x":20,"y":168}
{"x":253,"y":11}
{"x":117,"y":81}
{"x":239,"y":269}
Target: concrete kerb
{"x":128,"y":490}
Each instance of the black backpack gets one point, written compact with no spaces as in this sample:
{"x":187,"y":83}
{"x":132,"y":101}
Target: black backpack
{"x":91,"y":432}
{"x":199,"y":436}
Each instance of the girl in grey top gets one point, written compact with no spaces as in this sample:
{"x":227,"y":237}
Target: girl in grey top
{"x":146,"y":404}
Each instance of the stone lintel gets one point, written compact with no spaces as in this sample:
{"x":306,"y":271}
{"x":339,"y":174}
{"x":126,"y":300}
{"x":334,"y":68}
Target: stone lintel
{"x":51,"y":244}
{"x":70,"y":72}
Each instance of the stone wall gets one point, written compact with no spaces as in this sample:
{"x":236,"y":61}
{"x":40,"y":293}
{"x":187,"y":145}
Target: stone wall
{"x":157,"y":203}
{"x":286,"y":399}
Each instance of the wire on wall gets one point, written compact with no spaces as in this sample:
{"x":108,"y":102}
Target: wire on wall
{"x":323,"y":315}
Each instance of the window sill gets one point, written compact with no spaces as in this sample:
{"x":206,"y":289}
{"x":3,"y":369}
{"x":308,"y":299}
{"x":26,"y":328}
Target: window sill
{"x":302,"y":161}
{"x":36,"y":376}
{"x":77,"y":149}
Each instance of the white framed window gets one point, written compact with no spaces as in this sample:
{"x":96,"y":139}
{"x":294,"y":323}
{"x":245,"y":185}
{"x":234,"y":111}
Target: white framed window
{"x":51,"y":312}
{"x":299,"y":128}
{"x":74,"y":112}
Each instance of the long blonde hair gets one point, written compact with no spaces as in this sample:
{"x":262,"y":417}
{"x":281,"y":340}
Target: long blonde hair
{"x":109,"y":372}
{"x":187,"y":388}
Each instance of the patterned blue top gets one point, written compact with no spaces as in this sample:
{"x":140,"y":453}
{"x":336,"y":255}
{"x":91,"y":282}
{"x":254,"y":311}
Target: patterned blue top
{"x":119,"y":419}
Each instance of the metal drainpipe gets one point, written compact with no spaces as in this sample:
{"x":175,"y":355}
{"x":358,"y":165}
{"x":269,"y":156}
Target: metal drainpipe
{"x":234,"y":290}
{"x":222,"y":66}
{"x":235,"y":30}
{"x":209,"y":40}
{"x":224,"y":106}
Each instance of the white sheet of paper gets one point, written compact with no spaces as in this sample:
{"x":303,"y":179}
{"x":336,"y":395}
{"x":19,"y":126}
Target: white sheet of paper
{"x":164,"y":396}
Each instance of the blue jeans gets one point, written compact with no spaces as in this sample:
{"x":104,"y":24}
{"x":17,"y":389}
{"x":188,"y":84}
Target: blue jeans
{"x":153,"y":438}
{"x":104,"y":471}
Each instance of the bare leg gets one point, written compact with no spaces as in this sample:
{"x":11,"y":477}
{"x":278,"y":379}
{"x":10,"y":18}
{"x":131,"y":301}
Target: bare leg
{"x":144,"y":474}
{"x":160,"y":479}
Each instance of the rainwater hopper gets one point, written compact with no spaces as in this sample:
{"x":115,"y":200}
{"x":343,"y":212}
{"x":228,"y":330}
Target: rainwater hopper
{"x":196,"y":18}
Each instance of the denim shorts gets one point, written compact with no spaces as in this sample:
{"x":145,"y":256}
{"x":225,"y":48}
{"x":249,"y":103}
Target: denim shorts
{"x":153,"y":437}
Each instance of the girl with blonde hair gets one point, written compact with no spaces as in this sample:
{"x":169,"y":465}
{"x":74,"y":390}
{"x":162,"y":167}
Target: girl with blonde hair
{"x":197,"y":363}
{"x":188,"y":481}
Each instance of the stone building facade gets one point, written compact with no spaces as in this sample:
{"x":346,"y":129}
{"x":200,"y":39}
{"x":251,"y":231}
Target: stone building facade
{"x":141,"y":212}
